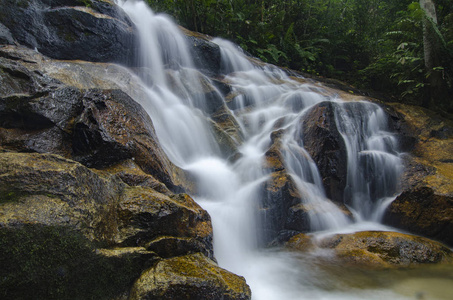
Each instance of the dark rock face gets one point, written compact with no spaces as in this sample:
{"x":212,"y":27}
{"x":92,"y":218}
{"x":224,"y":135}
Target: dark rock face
{"x":206,"y":55}
{"x":97,"y":127}
{"x":284,"y":210}
{"x":423,"y":212}
{"x":326,"y":146}
{"x":70,"y":30}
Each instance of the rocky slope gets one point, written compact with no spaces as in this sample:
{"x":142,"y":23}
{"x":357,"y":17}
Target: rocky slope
{"x":91,"y":207}
{"x":86,"y":191}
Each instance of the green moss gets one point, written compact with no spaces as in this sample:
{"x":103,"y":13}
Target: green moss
{"x":45,"y":262}
{"x":10,"y":196}
{"x":87,"y":3}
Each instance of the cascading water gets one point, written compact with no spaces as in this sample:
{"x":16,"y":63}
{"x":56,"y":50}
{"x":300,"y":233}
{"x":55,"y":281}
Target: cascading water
{"x":266,"y":101}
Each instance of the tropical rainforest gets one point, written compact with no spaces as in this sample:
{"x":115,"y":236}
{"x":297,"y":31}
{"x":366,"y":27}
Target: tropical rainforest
{"x":399,"y":50}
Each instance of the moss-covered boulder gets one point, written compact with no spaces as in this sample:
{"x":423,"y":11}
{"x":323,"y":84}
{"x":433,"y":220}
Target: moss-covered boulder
{"x":189,"y":277}
{"x":169,"y":226}
{"x":66,"y":230}
{"x":377,"y":249}
{"x":425,"y":205}
{"x":423,"y":212}
{"x":50,"y":190}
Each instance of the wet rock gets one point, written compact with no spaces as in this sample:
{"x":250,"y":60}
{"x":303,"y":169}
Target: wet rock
{"x":279,"y":202}
{"x":423,"y":212}
{"x":48,"y":200}
{"x":92,"y":31}
{"x":376,"y":249}
{"x":324,"y":143}
{"x":206,"y":55}
{"x":145,"y":215}
{"x":191,"y":277}
{"x":5,"y":36}
{"x":131,"y":174}
{"x":50,"y":190}
{"x":425,"y":205}
{"x":55,"y":107}
{"x":428,"y":163}
{"x":285,"y":209}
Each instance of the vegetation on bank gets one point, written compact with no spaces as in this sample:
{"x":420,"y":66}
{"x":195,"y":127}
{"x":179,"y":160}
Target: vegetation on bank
{"x":394,"y":47}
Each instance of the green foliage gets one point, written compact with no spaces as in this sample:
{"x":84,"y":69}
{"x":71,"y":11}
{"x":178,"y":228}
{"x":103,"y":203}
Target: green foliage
{"x":375,"y":44}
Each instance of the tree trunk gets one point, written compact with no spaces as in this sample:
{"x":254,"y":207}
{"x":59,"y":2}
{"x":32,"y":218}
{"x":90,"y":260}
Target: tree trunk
{"x":437,"y":89}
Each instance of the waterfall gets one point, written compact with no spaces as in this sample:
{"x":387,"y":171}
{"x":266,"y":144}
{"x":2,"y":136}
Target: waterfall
{"x":266,"y":101}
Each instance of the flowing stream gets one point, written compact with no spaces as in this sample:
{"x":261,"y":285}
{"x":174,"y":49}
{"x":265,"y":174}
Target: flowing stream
{"x":267,"y":100}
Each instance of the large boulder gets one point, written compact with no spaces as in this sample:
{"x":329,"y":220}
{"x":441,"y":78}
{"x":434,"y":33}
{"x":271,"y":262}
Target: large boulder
{"x":168,"y":225}
{"x":425,"y":205}
{"x":70,"y":29}
{"x":189,"y":277}
{"x":424,"y":212}
{"x":82,"y":111}
{"x":376,"y":249}
{"x":48,"y":189}
{"x":324,"y":143}
{"x":61,"y":221}
{"x":285,"y":207}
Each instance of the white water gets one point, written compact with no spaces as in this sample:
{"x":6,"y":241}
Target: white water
{"x":267,"y":100}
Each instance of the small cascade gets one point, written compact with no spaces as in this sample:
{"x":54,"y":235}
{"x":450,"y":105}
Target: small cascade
{"x":167,"y":67}
{"x":267,"y":103}
{"x":374,"y":166}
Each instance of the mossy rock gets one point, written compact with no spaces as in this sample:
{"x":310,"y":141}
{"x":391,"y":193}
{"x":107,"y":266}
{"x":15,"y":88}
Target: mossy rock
{"x":51,"y":190}
{"x":423,"y":212}
{"x":189,"y":277}
{"x":376,"y":249}
{"x":57,"y":262}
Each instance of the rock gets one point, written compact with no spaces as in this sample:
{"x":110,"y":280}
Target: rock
{"x":376,"y":249}
{"x":55,"y":107}
{"x":93,"y":223}
{"x":5,"y":36}
{"x":323,"y":141}
{"x":429,"y":162}
{"x":131,"y":174}
{"x":286,"y":208}
{"x":149,"y":219}
{"x":189,"y":277}
{"x":113,"y":127}
{"x":93,"y":31}
{"x":58,"y":262}
{"x":206,"y":55}
{"x":425,"y":205}
{"x":49,"y":190}
{"x":423,"y":212}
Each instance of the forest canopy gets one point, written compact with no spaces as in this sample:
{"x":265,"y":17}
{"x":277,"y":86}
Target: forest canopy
{"x":397,"y":48}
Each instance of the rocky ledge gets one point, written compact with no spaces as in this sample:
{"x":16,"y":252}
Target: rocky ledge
{"x":425,"y":206}
{"x":375,"y":249}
